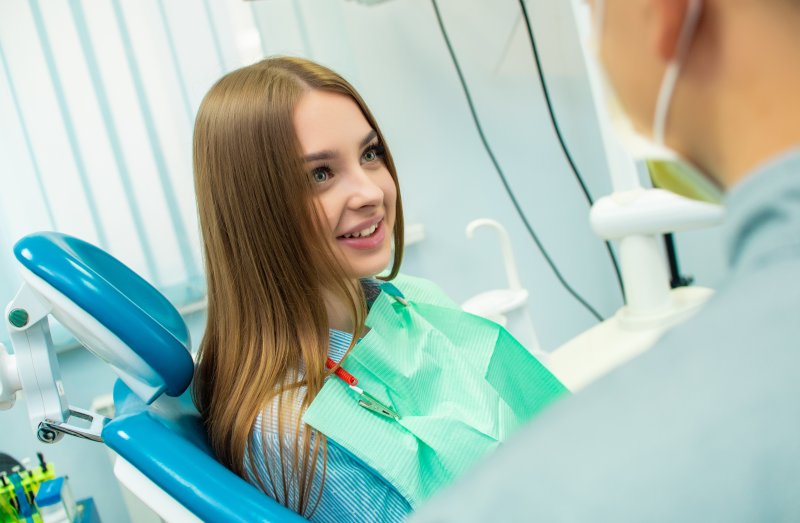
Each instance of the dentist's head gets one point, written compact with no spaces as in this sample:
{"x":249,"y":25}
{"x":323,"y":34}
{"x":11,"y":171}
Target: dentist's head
{"x":715,"y":80}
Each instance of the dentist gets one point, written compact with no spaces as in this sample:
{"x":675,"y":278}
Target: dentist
{"x":706,"y":425}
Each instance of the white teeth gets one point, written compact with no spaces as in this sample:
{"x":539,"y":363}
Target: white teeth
{"x":369,"y":230}
{"x":362,"y":234}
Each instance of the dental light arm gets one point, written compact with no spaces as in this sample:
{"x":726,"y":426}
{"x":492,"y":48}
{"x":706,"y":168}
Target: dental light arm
{"x":91,"y":294}
{"x":635,"y":218}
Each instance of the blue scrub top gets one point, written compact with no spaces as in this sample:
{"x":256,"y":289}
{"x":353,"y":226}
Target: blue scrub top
{"x":703,"y":427}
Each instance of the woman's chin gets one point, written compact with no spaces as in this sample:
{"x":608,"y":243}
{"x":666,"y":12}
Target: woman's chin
{"x":368,"y":268}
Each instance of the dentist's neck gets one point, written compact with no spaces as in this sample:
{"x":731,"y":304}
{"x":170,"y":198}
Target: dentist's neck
{"x":745,"y":72}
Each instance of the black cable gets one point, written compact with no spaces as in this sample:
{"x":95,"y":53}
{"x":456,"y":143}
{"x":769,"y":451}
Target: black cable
{"x":500,"y":171}
{"x":676,"y":278}
{"x":560,"y":136}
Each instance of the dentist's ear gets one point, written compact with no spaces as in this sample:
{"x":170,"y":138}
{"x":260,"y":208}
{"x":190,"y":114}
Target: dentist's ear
{"x":668,"y":20}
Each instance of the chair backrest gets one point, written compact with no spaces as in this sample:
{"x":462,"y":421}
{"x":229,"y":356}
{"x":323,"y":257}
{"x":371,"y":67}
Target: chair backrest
{"x":166,"y":441}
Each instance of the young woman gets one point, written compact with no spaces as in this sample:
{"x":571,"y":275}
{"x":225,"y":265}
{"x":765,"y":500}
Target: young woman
{"x":300,"y":208}
{"x":298,"y":200}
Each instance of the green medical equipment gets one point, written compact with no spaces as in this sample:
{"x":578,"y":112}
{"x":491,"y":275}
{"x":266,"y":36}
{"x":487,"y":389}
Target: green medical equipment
{"x":18,"y":488}
{"x":459,"y":384}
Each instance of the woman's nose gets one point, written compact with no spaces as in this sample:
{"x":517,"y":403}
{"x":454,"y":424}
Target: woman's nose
{"x":365,"y":191}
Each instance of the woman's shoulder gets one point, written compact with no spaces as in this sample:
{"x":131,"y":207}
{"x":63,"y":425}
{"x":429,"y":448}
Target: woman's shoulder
{"x":422,"y":291}
{"x":287,"y":405}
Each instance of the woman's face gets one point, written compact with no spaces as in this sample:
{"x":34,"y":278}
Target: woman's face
{"x":354,"y":189}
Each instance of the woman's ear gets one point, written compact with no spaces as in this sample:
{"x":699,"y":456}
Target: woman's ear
{"x":667,"y":24}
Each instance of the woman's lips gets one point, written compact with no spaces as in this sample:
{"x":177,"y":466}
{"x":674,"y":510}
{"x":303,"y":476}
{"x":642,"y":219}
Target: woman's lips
{"x":365,"y":243}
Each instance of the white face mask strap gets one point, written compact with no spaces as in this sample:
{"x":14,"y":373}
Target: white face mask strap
{"x":598,"y":17}
{"x":673,"y":71}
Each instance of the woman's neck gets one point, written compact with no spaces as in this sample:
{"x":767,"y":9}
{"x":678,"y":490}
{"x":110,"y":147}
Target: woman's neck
{"x":339,"y":317}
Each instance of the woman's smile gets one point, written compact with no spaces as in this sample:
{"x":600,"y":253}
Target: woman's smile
{"x":370,"y":237}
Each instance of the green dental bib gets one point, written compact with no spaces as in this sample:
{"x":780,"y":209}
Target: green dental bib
{"x":460,"y":383}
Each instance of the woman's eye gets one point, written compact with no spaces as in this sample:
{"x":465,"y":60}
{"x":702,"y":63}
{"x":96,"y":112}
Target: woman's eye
{"x":374,"y":152}
{"x":320,"y":175}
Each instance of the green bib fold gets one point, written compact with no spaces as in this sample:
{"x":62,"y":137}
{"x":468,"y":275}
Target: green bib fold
{"x":461,"y":385}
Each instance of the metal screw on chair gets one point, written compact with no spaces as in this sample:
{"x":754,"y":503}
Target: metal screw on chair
{"x":18,"y":318}
{"x":46,"y":435}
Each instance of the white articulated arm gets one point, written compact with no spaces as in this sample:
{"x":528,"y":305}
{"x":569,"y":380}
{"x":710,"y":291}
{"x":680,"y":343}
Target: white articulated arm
{"x":650,"y":211}
{"x":637,"y":218}
{"x":37,"y":366}
{"x":34,"y":369}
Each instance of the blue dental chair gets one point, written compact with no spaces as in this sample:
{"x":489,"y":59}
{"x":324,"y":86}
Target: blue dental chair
{"x":118,"y":316}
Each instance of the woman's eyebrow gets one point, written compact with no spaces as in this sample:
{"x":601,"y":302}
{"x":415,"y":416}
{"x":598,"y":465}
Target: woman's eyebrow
{"x":329,"y":155}
{"x":322,"y":155}
{"x":368,"y":138}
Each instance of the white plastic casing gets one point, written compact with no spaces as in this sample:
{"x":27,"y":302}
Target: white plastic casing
{"x":9,"y":379}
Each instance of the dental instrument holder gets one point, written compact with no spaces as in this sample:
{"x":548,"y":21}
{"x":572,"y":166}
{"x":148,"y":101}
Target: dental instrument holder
{"x":636,"y":218}
{"x":506,"y":307}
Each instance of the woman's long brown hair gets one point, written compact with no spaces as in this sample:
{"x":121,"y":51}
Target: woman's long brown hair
{"x":267,"y":261}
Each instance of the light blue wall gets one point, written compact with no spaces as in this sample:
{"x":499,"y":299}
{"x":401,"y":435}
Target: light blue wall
{"x":394,"y":54}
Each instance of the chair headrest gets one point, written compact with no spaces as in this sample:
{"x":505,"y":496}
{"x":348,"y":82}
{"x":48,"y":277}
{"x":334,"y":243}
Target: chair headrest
{"x":117,"y":299}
